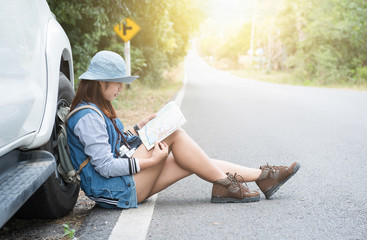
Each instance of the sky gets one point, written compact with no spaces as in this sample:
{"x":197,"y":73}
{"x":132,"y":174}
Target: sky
{"x":227,"y":16}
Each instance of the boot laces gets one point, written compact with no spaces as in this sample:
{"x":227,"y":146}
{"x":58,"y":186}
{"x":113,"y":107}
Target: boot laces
{"x":235,"y":180}
{"x":273,"y":168}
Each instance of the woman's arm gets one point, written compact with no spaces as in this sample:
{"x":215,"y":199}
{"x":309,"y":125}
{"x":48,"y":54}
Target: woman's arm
{"x":91,"y":130}
{"x":92,"y":133}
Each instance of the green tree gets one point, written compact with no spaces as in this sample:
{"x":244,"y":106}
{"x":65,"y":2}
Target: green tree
{"x":87,"y":24}
{"x":326,"y":43}
{"x":321,"y":41}
{"x":162,"y":42}
{"x":238,"y":44}
{"x":166,"y":30}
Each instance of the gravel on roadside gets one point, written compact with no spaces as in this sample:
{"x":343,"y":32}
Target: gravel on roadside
{"x":48,"y":228}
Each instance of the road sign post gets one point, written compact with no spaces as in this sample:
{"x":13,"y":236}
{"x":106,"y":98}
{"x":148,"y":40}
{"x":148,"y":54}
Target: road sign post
{"x":127,"y":57}
{"x":126,"y":30}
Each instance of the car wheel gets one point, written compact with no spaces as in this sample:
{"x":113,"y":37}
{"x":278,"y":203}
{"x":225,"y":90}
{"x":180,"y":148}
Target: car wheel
{"x":55,"y":198}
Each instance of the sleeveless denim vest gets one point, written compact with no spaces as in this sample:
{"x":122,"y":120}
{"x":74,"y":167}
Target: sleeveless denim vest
{"x":92,"y":183}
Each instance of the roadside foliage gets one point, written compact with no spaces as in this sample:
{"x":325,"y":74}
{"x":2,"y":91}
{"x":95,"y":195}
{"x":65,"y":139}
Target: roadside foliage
{"x":320,"y":41}
{"x":162,"y":43}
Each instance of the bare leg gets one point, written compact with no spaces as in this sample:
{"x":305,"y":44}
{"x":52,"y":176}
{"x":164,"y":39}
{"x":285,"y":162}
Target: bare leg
{"x":187,"y":158}
{"x":248,"y":174}
{"x":188,"y":155}
{"x":145,"y":179}
{"x":172,"y":172}
{"x":153,"y":180}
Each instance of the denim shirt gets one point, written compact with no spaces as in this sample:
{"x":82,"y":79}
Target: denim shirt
{"x":121,"y":188}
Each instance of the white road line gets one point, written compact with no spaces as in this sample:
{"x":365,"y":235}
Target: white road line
{"x":133,"y":223}
{"x":181,"y":93}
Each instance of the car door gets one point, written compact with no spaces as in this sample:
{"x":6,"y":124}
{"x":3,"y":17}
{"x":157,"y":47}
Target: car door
{"x":22,"y":68}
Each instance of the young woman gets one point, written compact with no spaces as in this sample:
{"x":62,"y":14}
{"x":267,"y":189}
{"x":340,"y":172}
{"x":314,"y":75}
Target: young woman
{"x":122,"y":173}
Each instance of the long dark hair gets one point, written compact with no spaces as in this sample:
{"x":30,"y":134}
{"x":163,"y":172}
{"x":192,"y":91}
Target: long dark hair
{"x":90,"y":91}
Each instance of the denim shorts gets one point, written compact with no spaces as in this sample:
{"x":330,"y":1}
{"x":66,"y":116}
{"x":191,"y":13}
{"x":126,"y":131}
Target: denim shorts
{"x":112,"y":203}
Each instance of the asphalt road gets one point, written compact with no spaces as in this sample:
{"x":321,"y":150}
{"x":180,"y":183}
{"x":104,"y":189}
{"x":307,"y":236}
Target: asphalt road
{"x":253,"y":123}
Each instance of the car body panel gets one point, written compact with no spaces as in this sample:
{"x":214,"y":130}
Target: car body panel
{"x":34,"y":49}
{"x":30,"y":55}
{"x":57,"y":45}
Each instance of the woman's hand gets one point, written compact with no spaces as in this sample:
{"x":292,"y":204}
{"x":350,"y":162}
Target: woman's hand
{"x":146,"y":120}
{"x":160,"y":152}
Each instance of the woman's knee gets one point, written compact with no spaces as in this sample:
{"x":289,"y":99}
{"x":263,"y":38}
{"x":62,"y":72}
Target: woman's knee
{"x":179,"y":133}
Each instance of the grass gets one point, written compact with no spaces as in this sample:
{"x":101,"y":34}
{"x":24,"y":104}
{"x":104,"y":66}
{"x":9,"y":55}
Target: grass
{"x":273,"y":77}
{"x":68,"y":231}
{"x":289,"y":78}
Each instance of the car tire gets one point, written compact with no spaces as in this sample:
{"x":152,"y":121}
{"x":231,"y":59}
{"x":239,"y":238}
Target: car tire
{"x":55,"y":198}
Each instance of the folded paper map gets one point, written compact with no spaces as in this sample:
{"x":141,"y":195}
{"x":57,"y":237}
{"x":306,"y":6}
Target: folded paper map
{"x":168,"y":119}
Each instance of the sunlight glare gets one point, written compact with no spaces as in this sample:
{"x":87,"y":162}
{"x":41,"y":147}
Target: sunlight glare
{"x":228,"y":16}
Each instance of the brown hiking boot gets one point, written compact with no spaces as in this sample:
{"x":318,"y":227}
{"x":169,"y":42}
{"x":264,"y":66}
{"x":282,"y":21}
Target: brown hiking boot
{"x":273,"y":177}
{"x":229,"y":190}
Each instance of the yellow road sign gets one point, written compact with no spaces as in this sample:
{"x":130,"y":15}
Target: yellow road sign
{"x":127,"y":29}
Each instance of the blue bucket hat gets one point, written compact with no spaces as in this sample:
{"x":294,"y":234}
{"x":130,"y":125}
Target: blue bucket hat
{"x":107,"y":66}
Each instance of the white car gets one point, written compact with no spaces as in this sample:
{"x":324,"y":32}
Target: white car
{"x":36,"y":78}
